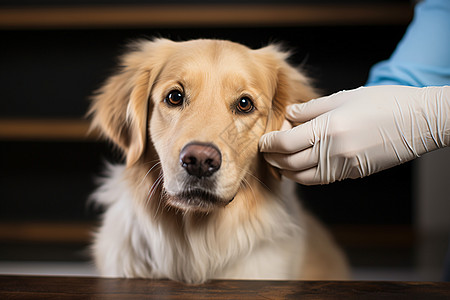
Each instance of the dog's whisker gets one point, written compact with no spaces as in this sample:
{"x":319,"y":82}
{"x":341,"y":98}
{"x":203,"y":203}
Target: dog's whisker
{"x":158,"y":164}
{"x":152,"y":189}
{"x":160,"y":200}
{"x":150,"y":162}
{"x":247,"y":172}
{"x":152,"y":194}
{"x":154,"y":186}
{"x":245,"y":182}
{"x":162,"y":195}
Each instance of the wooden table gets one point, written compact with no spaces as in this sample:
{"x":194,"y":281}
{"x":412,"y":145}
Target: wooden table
{"x":35,"y":287}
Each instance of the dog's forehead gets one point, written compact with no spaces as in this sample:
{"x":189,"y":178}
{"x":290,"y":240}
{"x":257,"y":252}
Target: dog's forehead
{"x":210,"y":59}
{"x":219,"y":55}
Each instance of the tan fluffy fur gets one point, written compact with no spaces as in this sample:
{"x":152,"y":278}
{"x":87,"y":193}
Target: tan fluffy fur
{"x":147,"y":231}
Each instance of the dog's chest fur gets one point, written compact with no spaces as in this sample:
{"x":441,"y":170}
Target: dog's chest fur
{"x":265,"y":243}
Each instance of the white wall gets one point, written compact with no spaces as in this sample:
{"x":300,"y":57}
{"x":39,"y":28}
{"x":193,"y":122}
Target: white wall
{"x":432,"y":191}
{"x":432,"y":208}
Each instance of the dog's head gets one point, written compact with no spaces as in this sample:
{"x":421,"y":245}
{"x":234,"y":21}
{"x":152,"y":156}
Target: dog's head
{"x":200,"y":107}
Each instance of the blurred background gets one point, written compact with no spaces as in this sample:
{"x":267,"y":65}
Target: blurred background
{"x":393,"y":225}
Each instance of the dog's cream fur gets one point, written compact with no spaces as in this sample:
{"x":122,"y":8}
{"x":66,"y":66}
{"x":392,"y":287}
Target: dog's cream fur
{"x":255,"y":228}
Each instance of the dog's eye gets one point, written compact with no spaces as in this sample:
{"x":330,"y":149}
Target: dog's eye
{"x":174,"y":98}
{"x":245,"y":105}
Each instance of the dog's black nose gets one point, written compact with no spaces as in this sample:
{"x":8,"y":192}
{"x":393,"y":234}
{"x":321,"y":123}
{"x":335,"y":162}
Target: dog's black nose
{"x":200,"y":159}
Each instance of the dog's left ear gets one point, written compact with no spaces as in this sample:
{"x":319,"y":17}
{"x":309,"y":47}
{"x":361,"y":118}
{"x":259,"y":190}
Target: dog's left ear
{"x":291,"y":85}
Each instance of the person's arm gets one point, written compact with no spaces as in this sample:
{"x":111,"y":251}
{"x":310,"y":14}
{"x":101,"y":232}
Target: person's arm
{"x":356,"y":133}
{"x":360,"y":132}
{"x":422,"y":57}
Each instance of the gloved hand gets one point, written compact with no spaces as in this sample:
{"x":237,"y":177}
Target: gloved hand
{"x":356,"y":133}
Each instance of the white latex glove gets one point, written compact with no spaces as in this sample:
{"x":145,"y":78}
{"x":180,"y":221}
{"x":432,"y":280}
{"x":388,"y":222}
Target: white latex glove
{"x":356,"y":133}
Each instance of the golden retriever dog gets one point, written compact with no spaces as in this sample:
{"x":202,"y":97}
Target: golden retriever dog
{"x":194,"y":199}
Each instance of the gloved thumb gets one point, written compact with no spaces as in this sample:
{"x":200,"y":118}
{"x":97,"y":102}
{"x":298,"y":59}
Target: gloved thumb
{"x":288,"y":141}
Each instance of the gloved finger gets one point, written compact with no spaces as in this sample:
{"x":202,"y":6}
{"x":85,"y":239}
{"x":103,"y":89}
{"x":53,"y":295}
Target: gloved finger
{"x":299,"y":161}
{"x":303,"y":112}
{"x":305,"y":177}
{"x":289,"y":141}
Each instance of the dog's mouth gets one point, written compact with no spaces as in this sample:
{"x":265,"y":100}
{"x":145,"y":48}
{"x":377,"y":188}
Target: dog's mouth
{"x":197,"y":200}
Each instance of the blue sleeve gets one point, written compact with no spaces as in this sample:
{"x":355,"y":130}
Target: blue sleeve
{"x":422,"y":58}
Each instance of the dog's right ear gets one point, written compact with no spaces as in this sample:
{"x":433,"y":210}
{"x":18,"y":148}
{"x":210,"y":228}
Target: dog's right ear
{"x":121,"y":109}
